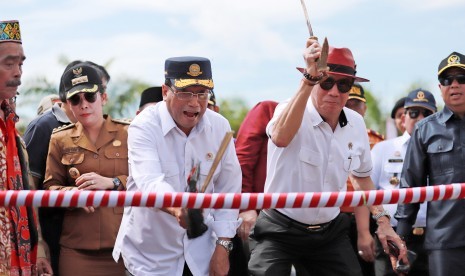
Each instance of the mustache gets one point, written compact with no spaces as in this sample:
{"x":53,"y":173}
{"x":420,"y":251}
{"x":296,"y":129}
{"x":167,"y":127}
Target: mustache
{"x":13,"y":83}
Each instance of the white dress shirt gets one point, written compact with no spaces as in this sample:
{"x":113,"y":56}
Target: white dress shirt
{"x":161,"y":156}
{"x":388,"y":159}
{"x":318,"y":160}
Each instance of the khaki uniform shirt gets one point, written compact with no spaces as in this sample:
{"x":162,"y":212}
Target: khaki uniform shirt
{"x":69,"y":147}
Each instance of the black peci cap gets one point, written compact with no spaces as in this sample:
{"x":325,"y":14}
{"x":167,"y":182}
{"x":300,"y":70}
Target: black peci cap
{"x":455,"y":59}
{"x":400,"y":103}
{"x":151,"y":95}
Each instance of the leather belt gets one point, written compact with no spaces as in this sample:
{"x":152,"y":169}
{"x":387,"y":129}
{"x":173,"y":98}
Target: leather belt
{"x":283,"y":219}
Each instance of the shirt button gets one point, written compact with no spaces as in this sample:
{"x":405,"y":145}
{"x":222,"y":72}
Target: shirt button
{"x":95,"y":156}
{"x":117,"y":154}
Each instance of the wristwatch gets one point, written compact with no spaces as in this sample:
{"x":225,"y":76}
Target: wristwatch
{"x":228,"y":245}
{"x":116,"y":183}
{"x":383,"y":213}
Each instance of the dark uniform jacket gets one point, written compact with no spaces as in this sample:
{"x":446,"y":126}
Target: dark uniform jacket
{"x":436,"y":152}
{"x":69,"y":147}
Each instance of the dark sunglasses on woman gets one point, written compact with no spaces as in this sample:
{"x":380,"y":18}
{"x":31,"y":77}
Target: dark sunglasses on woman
{"x":76,"y":99}
{"x":415,"y":112}
{"x":343,"y":85}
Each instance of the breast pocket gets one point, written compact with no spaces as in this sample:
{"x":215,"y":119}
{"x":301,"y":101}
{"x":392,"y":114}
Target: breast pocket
{"x":205,"y":168}
{"x":310,"y":163}
{"x":119,"y":157}
{"x":440,"y":156}
{"x":171,"y":175}
{"x":352,"y":163}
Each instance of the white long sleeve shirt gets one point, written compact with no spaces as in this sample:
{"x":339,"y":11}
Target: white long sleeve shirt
{"x":161,"y":156}
{"x":388,"y":159}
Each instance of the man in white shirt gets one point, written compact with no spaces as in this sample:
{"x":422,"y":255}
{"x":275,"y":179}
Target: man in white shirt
{"x":314,"y":145}
{"x":388,"y":159}
{"x":165,"y":142}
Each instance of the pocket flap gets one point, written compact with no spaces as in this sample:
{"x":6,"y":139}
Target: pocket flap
{"x":72,"y":158}
{"x":440,"y":146}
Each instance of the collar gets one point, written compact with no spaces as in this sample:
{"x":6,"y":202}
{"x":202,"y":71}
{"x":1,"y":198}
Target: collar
{"x":404,"y":138}
{"x":167,"y":122}
{"x":317,"y":119}
{"x":446,"y":115}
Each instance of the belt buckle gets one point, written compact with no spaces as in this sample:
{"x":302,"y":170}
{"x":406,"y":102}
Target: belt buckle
{"x":314,"y":228}
{"x":418,"y":231}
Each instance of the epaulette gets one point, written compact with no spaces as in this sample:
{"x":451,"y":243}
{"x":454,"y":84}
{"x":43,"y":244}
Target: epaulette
{"x":63,"y":127}
{"x":375,"y":133}
{"x":125,"y":121}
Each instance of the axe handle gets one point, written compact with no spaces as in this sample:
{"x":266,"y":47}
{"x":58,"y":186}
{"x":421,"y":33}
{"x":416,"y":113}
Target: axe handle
{"x":216,"y":161}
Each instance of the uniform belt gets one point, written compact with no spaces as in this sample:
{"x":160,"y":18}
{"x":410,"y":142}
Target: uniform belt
{"x":418,"y":231}
{"x":283,"y":219}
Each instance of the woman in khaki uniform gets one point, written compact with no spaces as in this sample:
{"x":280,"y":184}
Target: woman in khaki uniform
{"x":89,"y":155}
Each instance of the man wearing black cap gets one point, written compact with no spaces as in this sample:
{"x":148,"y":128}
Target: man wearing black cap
{"x":388,"y":157}
{"x":315,"y":143}
{"x":435,"y":156}
{"x":212,"y":103}
{"x":396,"y":114}
{"x":150,"y":96}
{"x":22,"y":250}
{"x":165,"y":142}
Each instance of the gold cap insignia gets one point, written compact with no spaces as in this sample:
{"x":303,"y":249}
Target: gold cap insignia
{"x":453,"y":59}
{"x":77,"y":72}
{"x":194,"y":70}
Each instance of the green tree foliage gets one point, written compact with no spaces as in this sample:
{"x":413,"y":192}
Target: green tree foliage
{"x":374,"y":118}
{"x":234,"y":110}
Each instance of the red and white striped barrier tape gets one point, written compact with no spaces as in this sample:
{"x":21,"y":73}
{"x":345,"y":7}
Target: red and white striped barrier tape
{"x":229,"y":200}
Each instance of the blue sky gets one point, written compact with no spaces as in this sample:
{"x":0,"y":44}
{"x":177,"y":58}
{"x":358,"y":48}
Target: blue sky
{"x":254,"y":46}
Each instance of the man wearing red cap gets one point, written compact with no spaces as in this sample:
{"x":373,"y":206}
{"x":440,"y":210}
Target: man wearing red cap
{"x":314,"y":145}
{"x":19,"y":236}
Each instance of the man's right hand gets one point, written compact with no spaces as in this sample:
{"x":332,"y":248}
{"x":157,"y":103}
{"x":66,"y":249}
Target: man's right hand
{"x":179,"y":213}
{"x":249,"y":218}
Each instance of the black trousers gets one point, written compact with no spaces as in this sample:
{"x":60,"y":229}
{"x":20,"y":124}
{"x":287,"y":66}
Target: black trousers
{"x":447,"y":262}
{"x":276,"y":244}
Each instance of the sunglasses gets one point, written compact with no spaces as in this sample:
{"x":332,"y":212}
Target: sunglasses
{"x":414,"y":113}
{"x":76,"y":99}
{"x":447,"y":80}
{"x":343,"y":85}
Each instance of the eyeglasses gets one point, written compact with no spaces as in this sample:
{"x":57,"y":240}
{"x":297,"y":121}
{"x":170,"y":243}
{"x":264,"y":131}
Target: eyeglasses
{"x":76,"y":99}
{"x":414,"y":112}
{"x":343,"y":85}
{"x":447,"y":80}
{"x":187,"y":96}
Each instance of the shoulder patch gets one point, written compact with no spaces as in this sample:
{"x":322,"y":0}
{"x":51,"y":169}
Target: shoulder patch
{"x":375,"y":133}
{"x":63,"y":127}
{"x":125,"y":121}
